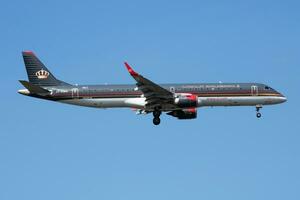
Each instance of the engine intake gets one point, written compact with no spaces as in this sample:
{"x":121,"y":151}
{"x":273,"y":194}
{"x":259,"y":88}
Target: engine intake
{"x":190,"y":113}
{"x":187,"y":101}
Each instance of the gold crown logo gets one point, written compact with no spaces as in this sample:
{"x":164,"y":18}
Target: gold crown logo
{"x":42,"y":74}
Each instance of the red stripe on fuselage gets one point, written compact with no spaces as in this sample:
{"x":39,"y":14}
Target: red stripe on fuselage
{"x":193,"y":96}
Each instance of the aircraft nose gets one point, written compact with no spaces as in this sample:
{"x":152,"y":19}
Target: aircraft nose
{"x":283,"y":99}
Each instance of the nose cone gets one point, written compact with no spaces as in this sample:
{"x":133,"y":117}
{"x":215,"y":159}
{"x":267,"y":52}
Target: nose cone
{"x":282,"y":98}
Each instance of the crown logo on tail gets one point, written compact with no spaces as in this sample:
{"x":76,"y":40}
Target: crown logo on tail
{"x":42,"y":74}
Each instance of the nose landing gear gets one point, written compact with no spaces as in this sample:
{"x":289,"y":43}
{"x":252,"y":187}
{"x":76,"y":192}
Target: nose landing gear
{"x":258,"y":114}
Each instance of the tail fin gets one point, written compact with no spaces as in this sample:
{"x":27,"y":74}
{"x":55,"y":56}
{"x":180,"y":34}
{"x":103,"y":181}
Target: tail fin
{"x":37,"y":72}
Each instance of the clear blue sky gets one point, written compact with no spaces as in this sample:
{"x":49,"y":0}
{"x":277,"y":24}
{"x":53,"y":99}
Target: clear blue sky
{"x":54,"y":151}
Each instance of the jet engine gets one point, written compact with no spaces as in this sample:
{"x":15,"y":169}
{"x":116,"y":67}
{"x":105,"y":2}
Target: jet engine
{"x":186,"y":101}
{"x":190,"y":113}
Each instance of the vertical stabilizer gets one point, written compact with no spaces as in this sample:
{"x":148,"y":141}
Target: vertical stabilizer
{"x":37,"y":72}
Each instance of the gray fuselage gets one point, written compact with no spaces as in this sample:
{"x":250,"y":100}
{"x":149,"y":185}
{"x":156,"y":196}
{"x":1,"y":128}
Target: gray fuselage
{"x":209,"y":94}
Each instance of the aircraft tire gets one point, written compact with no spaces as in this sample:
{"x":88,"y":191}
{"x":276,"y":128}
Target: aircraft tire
{"x":258,"y":115}
{"x":156,"y":121}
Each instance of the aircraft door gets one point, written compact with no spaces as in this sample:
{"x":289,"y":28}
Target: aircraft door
{"x":254,"y":90}
{"x":75,"y":93}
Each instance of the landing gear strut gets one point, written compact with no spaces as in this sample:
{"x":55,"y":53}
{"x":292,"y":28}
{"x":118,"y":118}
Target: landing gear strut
{"x":258,"y":114}
{"x":156,"y":115}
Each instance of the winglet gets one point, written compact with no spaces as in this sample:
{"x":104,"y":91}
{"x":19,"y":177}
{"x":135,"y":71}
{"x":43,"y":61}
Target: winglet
{"x":130,"y":70}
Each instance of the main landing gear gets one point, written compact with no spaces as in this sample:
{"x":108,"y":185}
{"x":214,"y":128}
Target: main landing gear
{"x":156,"y":115}
{"x":258,"y":114}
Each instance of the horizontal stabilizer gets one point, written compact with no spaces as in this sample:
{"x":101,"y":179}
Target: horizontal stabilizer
{"x":34,"y":89}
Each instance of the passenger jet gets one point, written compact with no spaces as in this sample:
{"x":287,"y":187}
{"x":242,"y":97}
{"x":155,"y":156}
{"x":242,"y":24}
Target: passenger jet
{"x":145,"y":96}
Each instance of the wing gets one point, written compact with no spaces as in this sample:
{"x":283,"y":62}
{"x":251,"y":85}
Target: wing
{"x":156,"y":96}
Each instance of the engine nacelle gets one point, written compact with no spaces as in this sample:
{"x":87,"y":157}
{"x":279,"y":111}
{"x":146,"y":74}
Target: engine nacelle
{"x":190,"y":113}
{"x":186,"y":101}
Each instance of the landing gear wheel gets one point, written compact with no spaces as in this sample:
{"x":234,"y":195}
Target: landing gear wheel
{"x":156,"y":121}
{"x":258,"y":115}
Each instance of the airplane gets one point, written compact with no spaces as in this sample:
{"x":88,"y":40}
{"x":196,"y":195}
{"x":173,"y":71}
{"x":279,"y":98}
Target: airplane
{"x":177,"y":100}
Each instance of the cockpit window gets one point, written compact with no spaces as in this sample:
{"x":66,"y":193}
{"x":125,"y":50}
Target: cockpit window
{"x":268,"y":88}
